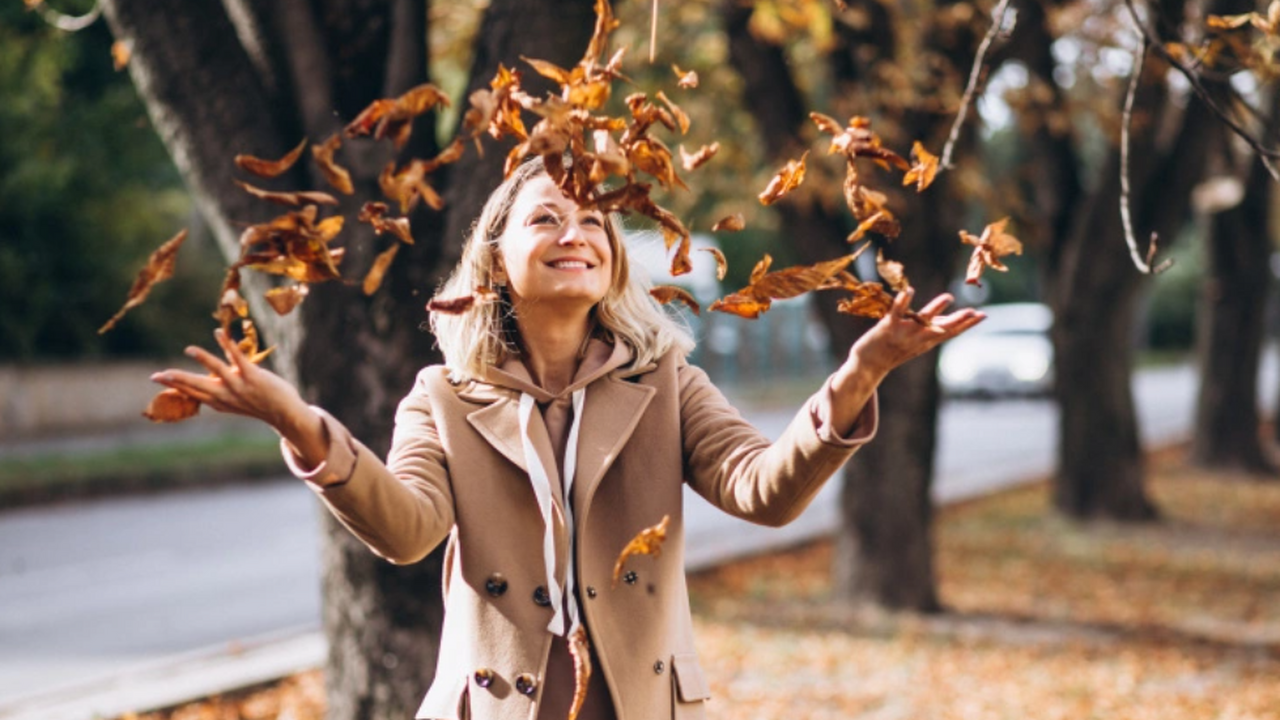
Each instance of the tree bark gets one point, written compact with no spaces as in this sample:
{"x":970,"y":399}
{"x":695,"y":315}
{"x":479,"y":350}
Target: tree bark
{"x":1232,"y":313}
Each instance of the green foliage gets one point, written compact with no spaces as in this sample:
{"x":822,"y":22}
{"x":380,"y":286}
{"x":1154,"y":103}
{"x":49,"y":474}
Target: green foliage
{"x":86,"y":193}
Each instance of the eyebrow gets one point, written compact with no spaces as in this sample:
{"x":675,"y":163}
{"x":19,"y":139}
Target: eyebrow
{"x":559,"y":211}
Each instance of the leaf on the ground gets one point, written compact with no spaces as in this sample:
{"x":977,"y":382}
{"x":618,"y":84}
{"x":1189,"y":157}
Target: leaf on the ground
{"x":722,"y":265}
{"x":993,"y":244}
{"x":731,"y":223}
{"x":296,"y":199}
{"x":647,"y":542}
{"x":270,"y":168}
{"x":666,"y":293}
{"x":784,"y":181}
{"x":892,"y":272}
{"x":171,"y":405}
{"x":159,"y":268}
{"x":373,"y":279}
{"x":284,"y":299}
{"x":923,"y":170}
{"x":374,"y":213}
{"x":333,"y":173}
{"x":686,"y":79}
{"x":699,"y":158}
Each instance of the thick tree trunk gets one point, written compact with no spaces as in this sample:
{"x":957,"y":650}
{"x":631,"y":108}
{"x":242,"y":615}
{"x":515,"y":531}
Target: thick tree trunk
{"x":1232,"y":314}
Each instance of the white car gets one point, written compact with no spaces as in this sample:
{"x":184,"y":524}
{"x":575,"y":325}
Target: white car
{"x":1009,"y":353}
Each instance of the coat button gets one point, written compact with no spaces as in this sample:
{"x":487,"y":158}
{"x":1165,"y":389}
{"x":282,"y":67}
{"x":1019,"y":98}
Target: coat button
{"x":591,"y":591}
{"x":496,"y":585}
{"x":526,"y":685}
{"x":631,"y":577}
{"x":484,"y":677}
{"x":541,"y":597}
{"x":659,"y":666}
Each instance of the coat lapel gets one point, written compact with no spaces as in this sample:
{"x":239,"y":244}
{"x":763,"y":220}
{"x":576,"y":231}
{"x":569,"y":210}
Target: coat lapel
{"x":499,"y":424}
{"x":611,"y":413}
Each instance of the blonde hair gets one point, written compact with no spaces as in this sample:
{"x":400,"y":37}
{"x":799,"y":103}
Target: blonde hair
{"x":485,"y":335}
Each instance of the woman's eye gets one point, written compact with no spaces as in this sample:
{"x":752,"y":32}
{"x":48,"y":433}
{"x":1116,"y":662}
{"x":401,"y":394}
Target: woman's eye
{"x":544,"y":219}
{"x":593,"y":220}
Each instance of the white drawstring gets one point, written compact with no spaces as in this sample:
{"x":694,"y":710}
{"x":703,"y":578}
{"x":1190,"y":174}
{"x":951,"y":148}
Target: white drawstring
{"x":542,"y":490}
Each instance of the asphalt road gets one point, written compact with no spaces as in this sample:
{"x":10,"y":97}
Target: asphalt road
{"x":90,"y":589}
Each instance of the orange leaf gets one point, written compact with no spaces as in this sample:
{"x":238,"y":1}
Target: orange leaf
{"x":270,"y":168}
{"x":923,"y":169}
{"x":159,"y":267}
{"x":786,"y":180}
{"x":284,"y":299}
{"x":744,"y":306}
{"x":892,"y":272}
{"x":722,"y":265}
{"x":666,"y":293}
{"x":334,"y":174}
{"x":380,"y":264}
{"x":580,"y":651}
{"x":869,"y":300}
{"x":647,"y":542}
{"x":289,"y":198}
{"x":698,"y":159}
{"x":121,"y":51}
{"x":451,"y":306}
{"x":171,"y":405}
{"x":372,"y":213}
{"x":732,"y":223}
{"x":994,"y":244}
{"x":687,"y":80}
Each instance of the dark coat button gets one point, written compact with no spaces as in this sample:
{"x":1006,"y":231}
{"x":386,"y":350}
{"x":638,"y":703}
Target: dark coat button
{"x":484,"y":677}
{"x":541,"y":597}
{"x":526,"y":685}
{"x":659,"y":666}
{"x":496,"y":585}
{"x":591,"y":591}
{"x":631,"y":577}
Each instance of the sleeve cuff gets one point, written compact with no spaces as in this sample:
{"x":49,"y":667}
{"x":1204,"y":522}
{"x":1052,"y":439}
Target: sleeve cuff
{"x":337,"y":467}
{"x":864,"y":427}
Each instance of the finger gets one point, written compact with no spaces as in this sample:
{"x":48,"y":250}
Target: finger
{"x":231,"y":349}
{"x":191,"y":383}
{"x":902,"y":303}
{"x":935,"y":306}
{"x":957,"y":323}
{"x":211,"y":362}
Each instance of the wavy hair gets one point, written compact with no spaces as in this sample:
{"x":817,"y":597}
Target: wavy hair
{"x":486,"y":334}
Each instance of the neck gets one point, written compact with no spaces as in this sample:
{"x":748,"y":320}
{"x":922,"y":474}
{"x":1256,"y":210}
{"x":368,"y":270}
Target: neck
{"x":552,"y":346}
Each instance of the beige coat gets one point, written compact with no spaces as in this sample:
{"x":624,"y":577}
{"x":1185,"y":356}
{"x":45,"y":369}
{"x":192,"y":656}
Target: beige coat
{"x":457,"y":470}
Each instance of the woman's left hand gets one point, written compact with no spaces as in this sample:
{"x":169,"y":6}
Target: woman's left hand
{"x":898,"y":337}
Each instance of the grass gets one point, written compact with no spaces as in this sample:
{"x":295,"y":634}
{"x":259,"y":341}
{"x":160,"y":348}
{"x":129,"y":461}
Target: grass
{"x":137,"y":467}
{"x":1045,"y":618}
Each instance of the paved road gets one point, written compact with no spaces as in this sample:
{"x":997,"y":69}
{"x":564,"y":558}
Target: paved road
{"x":90,"y":589}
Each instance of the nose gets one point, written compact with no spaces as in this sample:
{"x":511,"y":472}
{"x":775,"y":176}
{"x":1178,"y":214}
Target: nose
{"x":573,"y":234}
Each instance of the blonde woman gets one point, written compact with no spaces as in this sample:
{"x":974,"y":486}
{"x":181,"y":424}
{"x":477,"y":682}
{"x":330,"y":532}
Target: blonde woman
{"x":564,"y":421}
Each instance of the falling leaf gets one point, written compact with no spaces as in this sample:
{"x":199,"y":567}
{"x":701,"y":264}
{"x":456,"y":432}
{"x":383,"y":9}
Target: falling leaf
{"x":666,"y":293}
{"x":869,"y":300}
{"x":295,"y":199}
{"x":988,"y":249}
{"x":284,"y":299}
{"x":923,"y":169}
{"x":380,"y":264}
{"x":373,"y":212}
{"x":159,"y":267}
{"x":786,"y":180}
{"x":732,"y":223}
{"x":892,"y":272}
{"x":270,"y":168}
{"x":698,"y":159}
{"x":744,"y":306}
{"x":171,"y":405}
{"x":795,"y":281}
{"x":865,"y":226}
{"x":682,"y":119}
{"x":647,"y":542}
{"x":580,"y":651}
{"x":121,"y":51}
{"x":451,"y":306}
{"x":761,"y":268}
{"x":686,"y":80}
{"x":336,"y":175}
{"x":409,"y":184}
{"x":722,"y":265}
{"x":387,"y":118}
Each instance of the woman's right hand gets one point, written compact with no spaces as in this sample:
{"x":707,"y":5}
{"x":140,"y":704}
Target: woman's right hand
{"x":240,"y":387}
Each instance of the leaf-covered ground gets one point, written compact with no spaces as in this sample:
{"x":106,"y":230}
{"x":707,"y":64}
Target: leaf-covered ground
{"x":1044,"y":619}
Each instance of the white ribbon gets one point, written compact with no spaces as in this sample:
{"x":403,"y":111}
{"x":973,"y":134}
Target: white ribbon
{"x":560,"y":597}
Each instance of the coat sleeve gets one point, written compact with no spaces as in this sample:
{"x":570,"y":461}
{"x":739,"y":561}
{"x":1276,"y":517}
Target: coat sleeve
{"x":401,"y":509}
{"x":737,"y":469}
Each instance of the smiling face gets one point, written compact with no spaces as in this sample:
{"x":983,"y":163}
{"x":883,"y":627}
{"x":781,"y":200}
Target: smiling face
{"x":554,"y":252}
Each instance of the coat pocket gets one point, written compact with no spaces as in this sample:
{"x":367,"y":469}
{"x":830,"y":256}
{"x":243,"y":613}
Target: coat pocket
{"x":446,"y":700}
{"x":691,"y":688}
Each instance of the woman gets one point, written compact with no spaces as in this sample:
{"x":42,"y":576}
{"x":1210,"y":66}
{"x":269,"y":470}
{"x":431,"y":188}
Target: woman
{"x":565,"y":418}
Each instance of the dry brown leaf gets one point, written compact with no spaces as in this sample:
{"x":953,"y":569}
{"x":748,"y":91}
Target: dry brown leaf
{"x":159,"y":268}
{"x":647,"y":542}
{"x":892,"y":272}
{"x":295,"y":199}
{"x":451,"y":306}
{"x":580,"y":651}
{"x":666,"y":293}
{"x":387,"y":118}
{"x":374,"y":212}
{"x":682,"y":119}
{"x":744,"y":306}
{"x":994,"y":244}
{"x":336,"y":175}
{"x":761,"y":268}
{"x":923,"y":169}
{"x":121,"y":51}
{"x":732,"y":223}
{"x":171,"y":405}
{"x":284,"y":299}
{"x":722,"y":265}
{"x":698,"y":159}
{"x":270,"y":168}
{"x":865,"y":226}
{"x":786,"y":180}
{"x":869,"y":300}
{"x":373,"y":279}
{"x":687,"y":80}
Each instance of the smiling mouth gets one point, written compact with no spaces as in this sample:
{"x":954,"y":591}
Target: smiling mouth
{"x":571,"y":265}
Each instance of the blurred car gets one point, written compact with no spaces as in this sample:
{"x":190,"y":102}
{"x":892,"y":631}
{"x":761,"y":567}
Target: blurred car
{"x":1009,"y":353}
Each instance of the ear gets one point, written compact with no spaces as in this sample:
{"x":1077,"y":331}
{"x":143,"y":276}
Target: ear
{"x":498,"y":274}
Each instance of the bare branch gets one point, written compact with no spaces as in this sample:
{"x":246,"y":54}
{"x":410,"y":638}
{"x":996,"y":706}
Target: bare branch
{"x":653,"y":32}
{"x":997,"y":21}
{"x":1139,"y":55}
{"x":1267,"y":155}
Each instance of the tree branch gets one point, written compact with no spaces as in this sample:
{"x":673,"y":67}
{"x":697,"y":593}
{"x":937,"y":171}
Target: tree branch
{"x":1139,"y":55}
{"x":997,"y":21}
{"x":70,"y":23}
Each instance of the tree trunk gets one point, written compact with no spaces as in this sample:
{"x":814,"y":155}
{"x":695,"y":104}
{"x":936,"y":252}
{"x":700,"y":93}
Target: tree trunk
{"x":1232,"y":313}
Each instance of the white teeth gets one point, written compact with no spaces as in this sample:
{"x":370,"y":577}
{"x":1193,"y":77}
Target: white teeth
{"x":567,"y":264}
